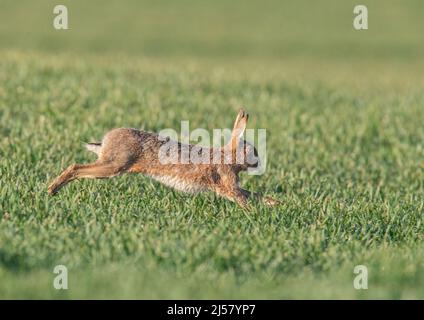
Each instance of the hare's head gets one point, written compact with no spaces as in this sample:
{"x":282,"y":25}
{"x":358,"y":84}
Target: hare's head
{"x":244,"y":153}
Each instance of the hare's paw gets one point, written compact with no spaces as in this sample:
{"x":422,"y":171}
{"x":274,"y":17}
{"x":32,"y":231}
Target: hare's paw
{"x":53,"y":188}
{"x":270,"y":202}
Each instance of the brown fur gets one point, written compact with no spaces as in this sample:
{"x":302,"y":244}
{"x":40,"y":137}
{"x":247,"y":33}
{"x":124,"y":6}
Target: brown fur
{"x":134,"y":151}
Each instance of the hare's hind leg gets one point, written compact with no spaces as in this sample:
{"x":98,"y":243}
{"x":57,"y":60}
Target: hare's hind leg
{"x":242,"y":196}
{"x":77,"y":171}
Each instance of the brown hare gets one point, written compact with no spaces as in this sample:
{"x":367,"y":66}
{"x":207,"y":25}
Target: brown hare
{"x":135,"y":151}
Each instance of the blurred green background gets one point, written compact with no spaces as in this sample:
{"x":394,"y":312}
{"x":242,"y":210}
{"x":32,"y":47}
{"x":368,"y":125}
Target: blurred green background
{"x":271,"y":29}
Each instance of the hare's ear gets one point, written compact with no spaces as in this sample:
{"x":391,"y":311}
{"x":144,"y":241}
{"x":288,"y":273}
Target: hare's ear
{"x":239,"y":128}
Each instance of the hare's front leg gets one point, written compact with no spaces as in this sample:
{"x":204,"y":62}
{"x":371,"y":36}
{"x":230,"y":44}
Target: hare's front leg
{"x":234,"y":194}
{"x":241,"y":196}
{"x":226,"y":185}
{"x":76,"y":171}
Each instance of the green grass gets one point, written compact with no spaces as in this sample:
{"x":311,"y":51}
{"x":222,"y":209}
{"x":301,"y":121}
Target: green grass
{"x":343,"y":112}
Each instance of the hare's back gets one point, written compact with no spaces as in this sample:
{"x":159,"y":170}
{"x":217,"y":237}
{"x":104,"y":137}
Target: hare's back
{"x":127,"y":145}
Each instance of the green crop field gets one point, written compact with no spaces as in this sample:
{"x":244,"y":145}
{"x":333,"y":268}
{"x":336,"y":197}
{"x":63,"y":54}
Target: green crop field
{"x":344,"y":114}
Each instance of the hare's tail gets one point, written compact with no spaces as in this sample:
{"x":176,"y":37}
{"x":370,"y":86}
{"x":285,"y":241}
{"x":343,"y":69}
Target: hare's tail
{"x":93,"y":147}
